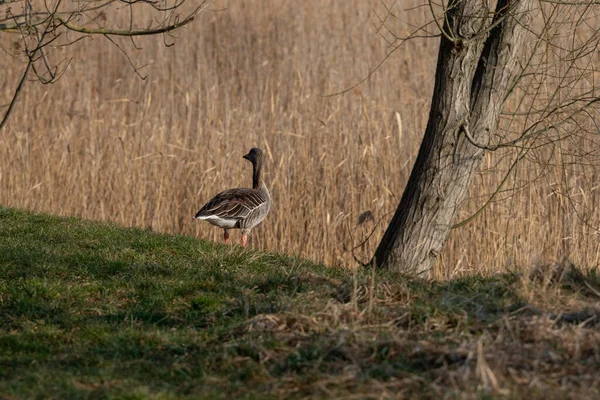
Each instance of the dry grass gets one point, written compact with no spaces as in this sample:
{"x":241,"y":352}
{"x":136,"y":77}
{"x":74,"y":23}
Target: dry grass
{"x":509,"y":336}
{"x":103,"y":144}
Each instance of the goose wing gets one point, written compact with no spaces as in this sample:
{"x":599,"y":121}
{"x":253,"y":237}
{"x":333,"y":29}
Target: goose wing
{"x":237,"y":204}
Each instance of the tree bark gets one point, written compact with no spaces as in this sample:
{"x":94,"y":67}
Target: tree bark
{"x":475,"y":67}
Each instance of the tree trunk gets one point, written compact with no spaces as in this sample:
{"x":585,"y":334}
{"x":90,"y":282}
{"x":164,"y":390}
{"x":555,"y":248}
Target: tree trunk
{"x":474,"y":71}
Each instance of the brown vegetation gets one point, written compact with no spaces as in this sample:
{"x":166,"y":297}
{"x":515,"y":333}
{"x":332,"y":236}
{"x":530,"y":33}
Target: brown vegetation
{"x":103,"y":144}
{"x":507,"y":336}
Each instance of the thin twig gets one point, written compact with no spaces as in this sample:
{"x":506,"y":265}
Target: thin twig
{"x":15,"y":95}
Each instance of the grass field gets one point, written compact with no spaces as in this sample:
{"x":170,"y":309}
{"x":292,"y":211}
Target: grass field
{"x":93,"y":311}
{"x":103,"y":144}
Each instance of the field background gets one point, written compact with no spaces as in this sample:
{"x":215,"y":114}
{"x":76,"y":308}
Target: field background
{"x":103,"y":144}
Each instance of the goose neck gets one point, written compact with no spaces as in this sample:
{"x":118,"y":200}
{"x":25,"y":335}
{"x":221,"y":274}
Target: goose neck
{"x":256,"y":175}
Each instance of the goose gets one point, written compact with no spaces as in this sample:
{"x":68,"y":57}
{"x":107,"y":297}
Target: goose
{"x":240,"y":208}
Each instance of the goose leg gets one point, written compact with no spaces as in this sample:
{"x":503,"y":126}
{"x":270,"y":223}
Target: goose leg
{"x":245,"y":234}
{"x":226,"y":236}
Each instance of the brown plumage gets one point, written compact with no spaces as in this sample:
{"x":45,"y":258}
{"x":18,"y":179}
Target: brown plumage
{"x":240,"y":208}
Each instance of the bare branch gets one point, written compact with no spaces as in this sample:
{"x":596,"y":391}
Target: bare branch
{"x":15,"y":95}
{"x":132,"y":32}
{"x":43,"y":30}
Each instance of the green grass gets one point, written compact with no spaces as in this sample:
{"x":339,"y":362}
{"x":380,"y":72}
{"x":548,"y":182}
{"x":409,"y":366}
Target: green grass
{"x":93,"y":310}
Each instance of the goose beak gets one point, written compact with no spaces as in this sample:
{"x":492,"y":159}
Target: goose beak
{"x":247,"y":157}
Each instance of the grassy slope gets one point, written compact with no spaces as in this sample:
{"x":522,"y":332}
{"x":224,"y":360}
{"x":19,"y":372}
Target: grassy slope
{"x":90,"y":310}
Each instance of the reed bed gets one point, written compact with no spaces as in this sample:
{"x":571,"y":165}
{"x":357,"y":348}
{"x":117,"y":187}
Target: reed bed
{"x":104,"y":144}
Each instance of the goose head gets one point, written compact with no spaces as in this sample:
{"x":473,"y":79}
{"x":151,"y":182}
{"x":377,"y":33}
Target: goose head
{"x":255,"y":156}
